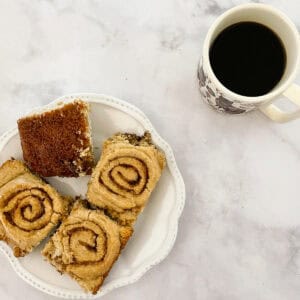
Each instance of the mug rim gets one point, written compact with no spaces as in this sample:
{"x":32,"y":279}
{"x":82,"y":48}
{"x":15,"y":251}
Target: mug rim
{"x":250,"y":99}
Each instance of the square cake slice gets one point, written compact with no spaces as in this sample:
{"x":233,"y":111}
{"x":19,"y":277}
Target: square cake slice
{"x":86,"y":245}
{"x":29,"y":208}
{"x":57,"y":142}
{"x":125,"y":176}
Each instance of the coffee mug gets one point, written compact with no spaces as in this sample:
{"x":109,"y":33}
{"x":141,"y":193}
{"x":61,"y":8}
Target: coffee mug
{"x":224,"y":100}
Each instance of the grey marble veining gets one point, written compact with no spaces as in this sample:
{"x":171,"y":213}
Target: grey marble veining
{"x":239,"y":235}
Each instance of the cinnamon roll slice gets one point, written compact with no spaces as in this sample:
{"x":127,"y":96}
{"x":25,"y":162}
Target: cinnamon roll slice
{"x":86,"y":245}
{"x":125,"y":176}
{"x":29,"y":207}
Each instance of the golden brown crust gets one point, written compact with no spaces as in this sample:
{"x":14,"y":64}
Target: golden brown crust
{"x":29,"y":208}
{"x":125,"y":234}
{"x":18,"y":252}
{"x":126,"y":174}
{"x":58,"y":142}
{"x":11,"y":169}
{"x":86,"y":245}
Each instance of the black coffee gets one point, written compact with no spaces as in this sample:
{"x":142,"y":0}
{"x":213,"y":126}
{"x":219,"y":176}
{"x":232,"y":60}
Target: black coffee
{"x":248,"y":58}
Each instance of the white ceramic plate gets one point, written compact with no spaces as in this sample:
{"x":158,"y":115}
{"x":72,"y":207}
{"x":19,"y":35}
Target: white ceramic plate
{"x":156,"y":228}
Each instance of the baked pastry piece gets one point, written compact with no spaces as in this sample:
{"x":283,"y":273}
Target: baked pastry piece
{"x":29,"y":208}
{"x":125,"y":176}
{"x":58,"y":142}
{"x":86,"y":246}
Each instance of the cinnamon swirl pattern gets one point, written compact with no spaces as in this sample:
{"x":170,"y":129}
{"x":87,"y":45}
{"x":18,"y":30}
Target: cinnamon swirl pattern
{"x":29,"y":208}
{"x":86,"y":246}
{"x":125,"y":176}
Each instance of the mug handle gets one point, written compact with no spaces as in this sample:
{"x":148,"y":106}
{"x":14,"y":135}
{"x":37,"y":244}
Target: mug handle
{"x":280,"y":116}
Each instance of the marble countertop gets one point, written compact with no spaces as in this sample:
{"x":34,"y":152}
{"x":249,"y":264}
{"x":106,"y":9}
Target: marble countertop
{"x":239,"y":235}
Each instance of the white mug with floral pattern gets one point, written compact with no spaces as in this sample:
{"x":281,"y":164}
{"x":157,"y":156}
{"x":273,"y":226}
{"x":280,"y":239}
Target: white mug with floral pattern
{"x":224,"y":100}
